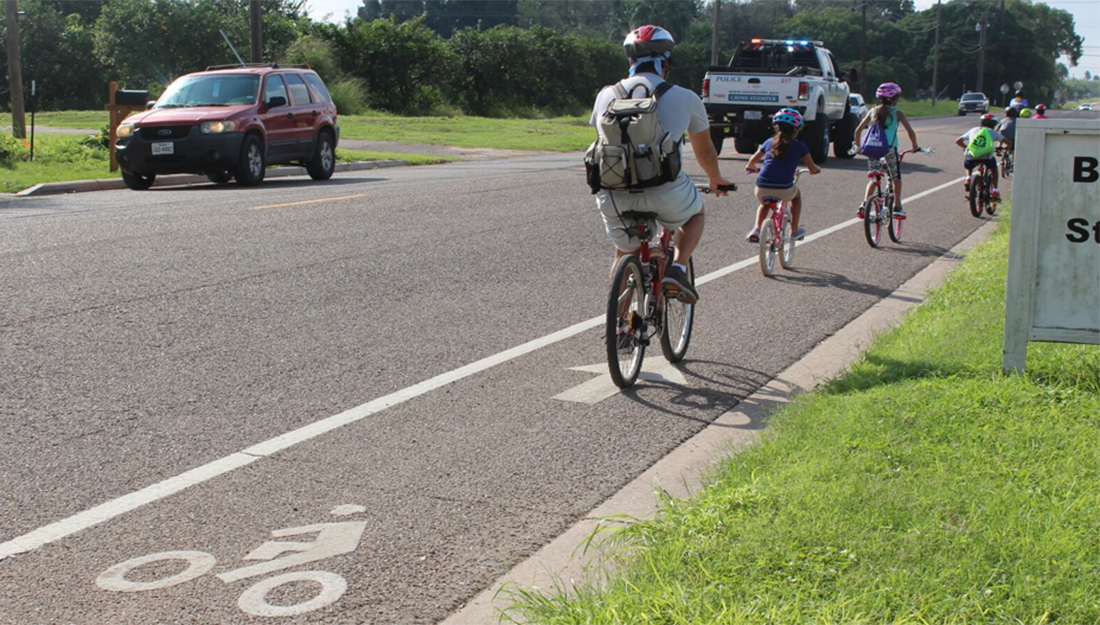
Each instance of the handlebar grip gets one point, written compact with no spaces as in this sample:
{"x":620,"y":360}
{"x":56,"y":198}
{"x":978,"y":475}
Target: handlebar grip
{"x":727,"y":187}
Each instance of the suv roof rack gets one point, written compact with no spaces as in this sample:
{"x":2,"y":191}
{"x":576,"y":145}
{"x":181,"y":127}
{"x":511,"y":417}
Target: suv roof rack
{"x":254,"y":65}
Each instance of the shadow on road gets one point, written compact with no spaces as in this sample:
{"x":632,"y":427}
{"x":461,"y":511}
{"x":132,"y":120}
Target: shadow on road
{"x":274,"y":182}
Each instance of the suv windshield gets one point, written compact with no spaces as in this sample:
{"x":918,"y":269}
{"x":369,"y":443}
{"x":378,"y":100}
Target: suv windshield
{"x":220,"y":90}
{"x":973,"y":97}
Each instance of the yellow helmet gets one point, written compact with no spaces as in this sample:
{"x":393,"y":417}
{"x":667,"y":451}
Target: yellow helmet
{"x":1025,"y":113}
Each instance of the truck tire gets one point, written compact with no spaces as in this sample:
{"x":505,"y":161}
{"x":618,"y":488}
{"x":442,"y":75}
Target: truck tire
{"x":744,"y":145}
{"x":252,"y":165}
{"x":324,"y":159}
{"x":817,"y":139}
{"x":845,"y":137}
{"x":717,"y":137}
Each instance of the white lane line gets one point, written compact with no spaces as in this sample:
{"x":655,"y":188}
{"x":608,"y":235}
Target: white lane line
{"x":117,"y":507}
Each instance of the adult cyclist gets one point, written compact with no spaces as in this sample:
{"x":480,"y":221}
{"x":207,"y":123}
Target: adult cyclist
{"x":677,"y":204}
{"x":1018,"y":102}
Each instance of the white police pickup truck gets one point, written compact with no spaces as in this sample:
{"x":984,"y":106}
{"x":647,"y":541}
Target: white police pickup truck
{"x":766,"y":75}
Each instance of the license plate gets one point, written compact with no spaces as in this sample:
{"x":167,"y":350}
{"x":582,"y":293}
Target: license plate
{"x":752,"y":114}
{"x":160,"y":149}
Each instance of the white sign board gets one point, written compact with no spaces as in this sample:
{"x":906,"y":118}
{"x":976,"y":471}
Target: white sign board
{"x":1054,"y":245}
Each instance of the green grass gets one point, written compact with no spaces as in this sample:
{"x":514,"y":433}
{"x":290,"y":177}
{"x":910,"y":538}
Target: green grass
{"x":369,"y":155}
{"x":923,"y":108}
{"x":560,"y":134}
{"x":92,"y":120}
{"x":923,"y":487}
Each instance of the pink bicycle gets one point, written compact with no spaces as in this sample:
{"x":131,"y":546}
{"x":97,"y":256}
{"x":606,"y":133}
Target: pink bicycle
{"x":775,"y":234}
{"x":880,"y":208}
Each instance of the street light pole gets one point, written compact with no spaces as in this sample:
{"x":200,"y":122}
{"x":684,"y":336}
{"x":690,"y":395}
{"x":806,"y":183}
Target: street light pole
{"x":15,"y":72}
{"x":981,"y":54}
{"x":714,"y":33}
{"x":936,"y":57}
{"x":863,"y":52}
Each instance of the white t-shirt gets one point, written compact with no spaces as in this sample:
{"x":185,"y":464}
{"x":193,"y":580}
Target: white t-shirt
{"x":680,"y":111}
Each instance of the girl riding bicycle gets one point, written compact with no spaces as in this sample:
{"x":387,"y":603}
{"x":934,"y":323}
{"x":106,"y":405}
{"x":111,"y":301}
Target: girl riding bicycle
{"x":888,"y":116}
{"x":781,"y":155}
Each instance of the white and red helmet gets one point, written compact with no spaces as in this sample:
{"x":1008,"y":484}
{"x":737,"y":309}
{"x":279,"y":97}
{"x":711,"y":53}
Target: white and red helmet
{"x":648,"y":41}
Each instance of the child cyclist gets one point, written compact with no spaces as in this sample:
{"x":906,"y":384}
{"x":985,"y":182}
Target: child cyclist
{"x":978,"y":148}
{"x":781,"y":155}
{"x":888,"y":116}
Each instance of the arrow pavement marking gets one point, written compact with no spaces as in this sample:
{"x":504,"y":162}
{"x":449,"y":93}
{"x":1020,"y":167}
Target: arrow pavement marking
{"x":600,"y":388}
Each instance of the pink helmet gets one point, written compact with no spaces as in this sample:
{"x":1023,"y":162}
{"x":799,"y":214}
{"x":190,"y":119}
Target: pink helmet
{"x":788,"y":116}
{"x":888,"y":91}
{"x":648,"y":41}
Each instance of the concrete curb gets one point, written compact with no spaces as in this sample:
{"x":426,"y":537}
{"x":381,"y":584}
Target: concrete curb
{"x":683,"y":472}
{"x":81,"y":186}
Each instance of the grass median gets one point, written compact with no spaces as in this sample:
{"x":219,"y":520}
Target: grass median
{"x":67,"y":158}
{"x":924,"y":486}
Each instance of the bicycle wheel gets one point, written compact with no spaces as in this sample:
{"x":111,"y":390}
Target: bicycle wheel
{"x":625,"y":327}
{"x":872,"y":221}
{"x":679,"y":318}
{"x":990,"y":205}
{"x":893,"y":224}
{"x":768,"y":251}
{"x":976,"y":195}
{"x":786,"y":243}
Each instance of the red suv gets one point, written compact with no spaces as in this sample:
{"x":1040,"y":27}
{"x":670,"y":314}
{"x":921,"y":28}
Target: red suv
{"x":232,"y":123}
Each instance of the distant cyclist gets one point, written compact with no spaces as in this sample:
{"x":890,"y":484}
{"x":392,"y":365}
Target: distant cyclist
{"x":678,"y":204}
{"x":986,"y":134}
{"x":1041,"y":111}
{"x":888,"y":115}
{"x":1007,"y":127}
{"x":1018,"y":102}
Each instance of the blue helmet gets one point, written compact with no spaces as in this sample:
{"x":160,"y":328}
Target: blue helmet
{"x":788,"y":116}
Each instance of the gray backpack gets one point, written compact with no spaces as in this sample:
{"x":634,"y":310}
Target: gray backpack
{"x":633,"y":150}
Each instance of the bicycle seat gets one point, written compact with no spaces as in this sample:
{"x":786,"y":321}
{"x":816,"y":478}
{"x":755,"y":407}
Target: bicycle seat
{"x":639,"y":216}
{"x":770,"y":199}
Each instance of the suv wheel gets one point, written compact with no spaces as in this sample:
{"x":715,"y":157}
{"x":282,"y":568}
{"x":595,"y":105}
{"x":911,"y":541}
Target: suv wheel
{"x":817,"y":139}
{"x":323,"y":163}
{"x":251,"y":166}
{"x":717,"y":137}
{"x":137,"y":182}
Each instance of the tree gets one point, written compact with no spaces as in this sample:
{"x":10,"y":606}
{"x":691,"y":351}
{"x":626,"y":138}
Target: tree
{"x":371,"y":10}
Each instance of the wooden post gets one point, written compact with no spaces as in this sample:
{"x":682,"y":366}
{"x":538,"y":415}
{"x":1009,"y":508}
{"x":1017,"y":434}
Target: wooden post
{"x":113,"y":111}
{"x":15,"y":72}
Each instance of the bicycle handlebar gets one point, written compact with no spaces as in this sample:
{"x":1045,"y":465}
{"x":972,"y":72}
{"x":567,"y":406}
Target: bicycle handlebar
{"x":703,"y":188}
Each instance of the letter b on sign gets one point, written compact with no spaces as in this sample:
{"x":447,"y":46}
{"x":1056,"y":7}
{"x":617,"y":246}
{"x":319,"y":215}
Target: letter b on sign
{"x":1084,"y":169}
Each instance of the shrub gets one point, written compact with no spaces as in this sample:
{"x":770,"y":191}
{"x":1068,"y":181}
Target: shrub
{"x":350,"y":96}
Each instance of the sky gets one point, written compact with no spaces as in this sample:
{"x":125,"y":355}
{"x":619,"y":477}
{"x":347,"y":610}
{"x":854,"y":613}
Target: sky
{"x":1086,"y":16}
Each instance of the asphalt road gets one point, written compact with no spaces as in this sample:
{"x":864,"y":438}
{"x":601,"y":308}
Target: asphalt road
{"x":191,"y":369}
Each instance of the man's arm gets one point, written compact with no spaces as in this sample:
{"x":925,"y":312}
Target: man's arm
{"x":707,"y":156}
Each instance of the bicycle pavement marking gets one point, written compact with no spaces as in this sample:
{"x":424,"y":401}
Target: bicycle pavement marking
{"x":117,"y":507}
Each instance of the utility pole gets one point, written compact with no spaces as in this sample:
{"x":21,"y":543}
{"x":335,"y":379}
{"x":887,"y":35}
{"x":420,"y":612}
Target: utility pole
{"x":936,"y":57}
{"x":863,"y":53}
{"x":256,"y":26}
{"x":714,"y":33}
{"x":981,"y":53}
{"x":15,"y":73}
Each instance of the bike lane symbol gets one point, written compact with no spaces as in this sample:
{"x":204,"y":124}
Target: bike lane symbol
{"x":332,"y":539}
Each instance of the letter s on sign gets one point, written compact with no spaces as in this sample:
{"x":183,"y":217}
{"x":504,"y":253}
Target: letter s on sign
{"x":1084,"y":169}
{"x":1078,"y":230}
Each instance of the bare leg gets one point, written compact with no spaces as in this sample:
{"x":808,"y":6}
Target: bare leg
{"x":761,"y":212}
{"x":687,"y":237}
{"x":870,"y":190}
{"x":796,"y":211}
{"x":897,"y":192}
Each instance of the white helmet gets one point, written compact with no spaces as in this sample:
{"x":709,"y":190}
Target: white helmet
{"x":648,"y":41}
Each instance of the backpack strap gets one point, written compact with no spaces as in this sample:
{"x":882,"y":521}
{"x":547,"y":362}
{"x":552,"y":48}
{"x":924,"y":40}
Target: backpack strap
{"x":662,"y":89}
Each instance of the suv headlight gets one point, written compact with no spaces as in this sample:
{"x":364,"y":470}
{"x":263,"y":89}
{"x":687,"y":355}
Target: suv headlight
{"x":213,"y":128}
{"x":125,"y":131}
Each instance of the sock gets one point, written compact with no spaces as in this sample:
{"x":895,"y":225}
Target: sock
{"x":682,"y":268}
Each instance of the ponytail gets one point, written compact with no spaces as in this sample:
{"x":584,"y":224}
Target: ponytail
{"x":882,"y":113}
{"x":781,"y":142}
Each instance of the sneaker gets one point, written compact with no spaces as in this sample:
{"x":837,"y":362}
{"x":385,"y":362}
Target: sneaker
{"x":753,"y":236}
{"x":899,"y":213}
{"x":799,"y":234}
{"x":860,"y":210}
{"x":676,"y":284}
{"x":996,"y":195}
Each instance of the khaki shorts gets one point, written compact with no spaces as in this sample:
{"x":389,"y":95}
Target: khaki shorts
{"x":784,"y":194}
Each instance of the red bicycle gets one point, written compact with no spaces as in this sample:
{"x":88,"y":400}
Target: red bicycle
{"x":980,"y":194}
{"x":880,"y":208}
{"x":637,"y":307}
{"x":775,"y":234}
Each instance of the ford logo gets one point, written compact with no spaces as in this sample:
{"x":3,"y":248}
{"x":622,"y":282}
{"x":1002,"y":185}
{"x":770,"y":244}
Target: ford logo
{"x":164,"y":132}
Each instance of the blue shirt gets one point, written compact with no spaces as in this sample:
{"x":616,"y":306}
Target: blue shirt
{"x":778,"y":173}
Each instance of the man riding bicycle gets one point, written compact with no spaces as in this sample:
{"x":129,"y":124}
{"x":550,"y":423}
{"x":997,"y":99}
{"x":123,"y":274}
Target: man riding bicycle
{"x":677,"y":204}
